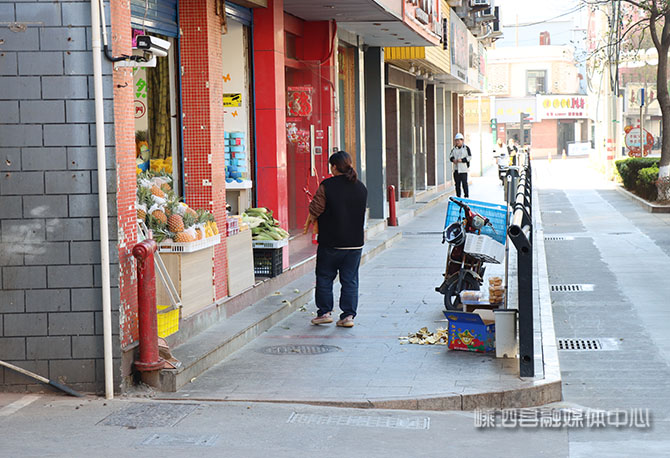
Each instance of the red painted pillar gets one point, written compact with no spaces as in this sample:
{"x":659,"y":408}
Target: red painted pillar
{"x":202,"y":105}
{"x":270,"y":94}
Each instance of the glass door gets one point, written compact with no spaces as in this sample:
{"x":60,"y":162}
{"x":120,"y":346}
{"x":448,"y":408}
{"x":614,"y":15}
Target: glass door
{"x":308,"y":133}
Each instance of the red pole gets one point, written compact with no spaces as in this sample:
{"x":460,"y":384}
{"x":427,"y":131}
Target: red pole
{"x":393,"y":220}
{"x":149,"y":360}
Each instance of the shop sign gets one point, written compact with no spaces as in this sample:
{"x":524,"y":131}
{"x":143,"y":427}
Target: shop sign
{"x":232,"y":100}
{"x":459,"y":48}
{"x":633,"y":141}
{"x":472,"y":112}
{"x":140,"y":109}
{"x":562,"y":106}
{"x":299,"y":101}
{"x":508,"y":110}
{"x":631,"y":100}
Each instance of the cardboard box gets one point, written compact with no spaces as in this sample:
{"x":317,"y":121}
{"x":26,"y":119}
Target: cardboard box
{"x":471,"y":331}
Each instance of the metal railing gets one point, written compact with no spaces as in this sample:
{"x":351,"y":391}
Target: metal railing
{"x":520,"y":232}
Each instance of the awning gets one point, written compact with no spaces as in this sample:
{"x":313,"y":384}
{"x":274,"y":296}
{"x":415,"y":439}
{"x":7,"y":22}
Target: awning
{"x":378,"y":22}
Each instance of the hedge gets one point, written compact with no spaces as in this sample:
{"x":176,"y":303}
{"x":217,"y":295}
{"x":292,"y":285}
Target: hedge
{"x":639,"y":175}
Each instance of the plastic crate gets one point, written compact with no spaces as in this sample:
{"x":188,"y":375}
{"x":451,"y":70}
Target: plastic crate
{"x":268,"y":262}
{"x":496,"y":213}
{"x":189,"y":247}
{"x":168,"y":322}
{"x":269,"y":243}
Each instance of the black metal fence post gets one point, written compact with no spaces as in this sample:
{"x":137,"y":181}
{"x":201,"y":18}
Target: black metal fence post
{"x":520,"y":232}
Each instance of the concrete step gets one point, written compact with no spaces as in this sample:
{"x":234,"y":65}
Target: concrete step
{"x":225,"y":337}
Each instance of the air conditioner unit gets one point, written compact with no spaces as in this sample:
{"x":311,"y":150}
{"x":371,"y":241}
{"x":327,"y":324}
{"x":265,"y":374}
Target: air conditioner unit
{"x":480,"y":3}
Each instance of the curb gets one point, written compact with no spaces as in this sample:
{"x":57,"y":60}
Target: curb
{"x":650,"y":207}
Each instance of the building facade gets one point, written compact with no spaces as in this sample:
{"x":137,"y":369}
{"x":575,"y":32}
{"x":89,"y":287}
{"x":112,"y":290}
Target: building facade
{"x":543,"y":82}
{"x":241,"y":108}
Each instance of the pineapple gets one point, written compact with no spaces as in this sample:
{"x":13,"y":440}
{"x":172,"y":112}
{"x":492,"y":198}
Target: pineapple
{"x":158,"y":192}
{"x":183,"y":237}
{"x":166,"y":187}
{"x":192,"y":212}
{"x":189,"y":220}
{"x":175,"y":221}
{"x":143,"y":196}
{"x":160,"y":216}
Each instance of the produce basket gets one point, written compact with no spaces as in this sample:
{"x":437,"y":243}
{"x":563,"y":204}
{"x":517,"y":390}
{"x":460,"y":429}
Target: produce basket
{"x":168,"y":322}
{"x":189,"y":247}
{"x":269,"y":243}
{"x":268,"y":262}
{"x":496,"y":213}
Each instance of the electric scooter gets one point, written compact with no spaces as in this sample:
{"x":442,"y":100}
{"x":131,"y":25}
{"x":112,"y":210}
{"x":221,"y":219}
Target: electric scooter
{"x":463,"y":271}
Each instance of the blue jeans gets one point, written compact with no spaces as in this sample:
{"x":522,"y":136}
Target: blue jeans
{"x":329,"y":262}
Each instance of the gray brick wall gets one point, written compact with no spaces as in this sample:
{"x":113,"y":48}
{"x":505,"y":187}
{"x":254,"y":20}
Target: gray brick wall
{"x":50,"y":300}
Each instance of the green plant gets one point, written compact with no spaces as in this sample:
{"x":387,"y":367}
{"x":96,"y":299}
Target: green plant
{"x":645,"y":184}
{"x":629,"y":170}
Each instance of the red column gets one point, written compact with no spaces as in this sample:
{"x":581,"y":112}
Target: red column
{"x":124,"y":141}
{"x":202,"y":106}
{"x":270,"y":94}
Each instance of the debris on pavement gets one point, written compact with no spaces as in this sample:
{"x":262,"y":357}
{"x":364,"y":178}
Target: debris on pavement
{"x":424,"y":337}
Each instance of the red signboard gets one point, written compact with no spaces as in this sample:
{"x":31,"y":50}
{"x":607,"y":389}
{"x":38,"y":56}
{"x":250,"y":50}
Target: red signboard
{"x":633,"y":141}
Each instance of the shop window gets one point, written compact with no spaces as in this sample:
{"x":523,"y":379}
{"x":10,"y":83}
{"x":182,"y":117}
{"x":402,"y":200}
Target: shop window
{"x":157,"y":140}
{"x":536,"y":82}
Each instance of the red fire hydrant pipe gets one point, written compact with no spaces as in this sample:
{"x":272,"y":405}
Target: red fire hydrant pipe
{"x":393,"y":219}
{"x":149,"y":360}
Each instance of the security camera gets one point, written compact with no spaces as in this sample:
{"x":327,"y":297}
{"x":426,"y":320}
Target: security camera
{"x":154,"y":45}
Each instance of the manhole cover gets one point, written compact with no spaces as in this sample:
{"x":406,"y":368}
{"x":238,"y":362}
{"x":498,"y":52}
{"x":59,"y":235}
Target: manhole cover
{"x":369,"y":421}
{"x":571,"y":288}
{"x":579,"y":344}
{"x":144,"y":415}
{"x":299,"y":349}
{"x":558,"y":238}
{"x":180,"y":440}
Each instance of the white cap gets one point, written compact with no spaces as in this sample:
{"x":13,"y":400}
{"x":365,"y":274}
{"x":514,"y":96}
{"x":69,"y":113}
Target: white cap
{"x":459,"y":136}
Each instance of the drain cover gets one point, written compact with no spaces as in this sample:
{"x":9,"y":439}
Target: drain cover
{"x":558,"y":238}
{"x":180,"y":440}
{"x":299,"y":349}
{"x":368,"y":421}
{"x":144,"y":415}
{"x":571,"y":288}
{"x":579,"y":344}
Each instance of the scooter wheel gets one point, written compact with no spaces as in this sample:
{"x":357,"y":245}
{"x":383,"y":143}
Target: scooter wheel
{"x":452,"y":300}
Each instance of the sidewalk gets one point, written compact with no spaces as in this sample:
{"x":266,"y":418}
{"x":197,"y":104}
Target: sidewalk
{"x":368,"y":367}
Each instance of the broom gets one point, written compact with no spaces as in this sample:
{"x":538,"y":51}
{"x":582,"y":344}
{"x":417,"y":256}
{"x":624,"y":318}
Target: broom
{"x":53,"y":383}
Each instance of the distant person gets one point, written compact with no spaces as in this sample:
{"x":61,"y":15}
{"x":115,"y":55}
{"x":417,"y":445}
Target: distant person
{"x":460,"y":157}
{"x":512,"y":151}
{"x":339,"y":208}
{"x":502,"y":158}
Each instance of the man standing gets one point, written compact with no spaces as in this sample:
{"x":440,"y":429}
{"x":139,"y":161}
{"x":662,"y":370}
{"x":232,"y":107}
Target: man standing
{"x":460,"y":158}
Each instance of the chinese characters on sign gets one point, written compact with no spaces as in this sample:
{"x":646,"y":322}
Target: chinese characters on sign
{"x":633,"y":141}
{"x":562,"y":418}
{"x":562,"y":107}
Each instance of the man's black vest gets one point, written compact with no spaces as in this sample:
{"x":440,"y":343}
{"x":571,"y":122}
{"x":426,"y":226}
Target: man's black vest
{"x":341,"y":223}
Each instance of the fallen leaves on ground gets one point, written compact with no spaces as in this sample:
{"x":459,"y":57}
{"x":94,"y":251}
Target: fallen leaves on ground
{"x":424,"y":337}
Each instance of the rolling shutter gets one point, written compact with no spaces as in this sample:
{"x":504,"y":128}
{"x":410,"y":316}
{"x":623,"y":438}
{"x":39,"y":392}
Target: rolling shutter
{"x":158,"y":16}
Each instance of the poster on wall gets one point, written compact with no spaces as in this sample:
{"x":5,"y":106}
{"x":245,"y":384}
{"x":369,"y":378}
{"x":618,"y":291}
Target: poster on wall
{"x":299,"y":101}
{"x":232,"y":100}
